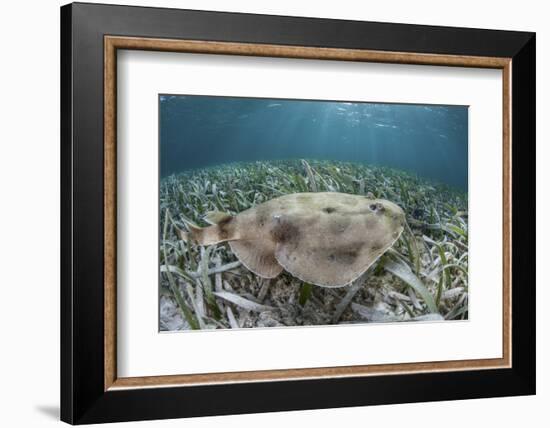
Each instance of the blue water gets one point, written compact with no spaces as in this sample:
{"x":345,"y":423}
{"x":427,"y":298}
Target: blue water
{"x":200,"y":131}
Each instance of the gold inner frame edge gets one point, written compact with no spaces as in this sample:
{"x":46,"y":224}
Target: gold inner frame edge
{"x":113,"y":43}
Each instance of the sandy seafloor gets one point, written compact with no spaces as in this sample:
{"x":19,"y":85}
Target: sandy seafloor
{"x":206,"y":287}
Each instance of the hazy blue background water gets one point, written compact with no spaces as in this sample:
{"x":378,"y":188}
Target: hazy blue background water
{"x":199,"y":131}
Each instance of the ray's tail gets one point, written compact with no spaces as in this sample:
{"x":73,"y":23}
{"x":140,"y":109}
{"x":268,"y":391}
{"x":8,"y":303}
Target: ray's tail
{"x":201,"y":235}
{"x":222,"y":229}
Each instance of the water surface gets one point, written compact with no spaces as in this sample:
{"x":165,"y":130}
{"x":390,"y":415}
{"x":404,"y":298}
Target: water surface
{"x":201,"y":131}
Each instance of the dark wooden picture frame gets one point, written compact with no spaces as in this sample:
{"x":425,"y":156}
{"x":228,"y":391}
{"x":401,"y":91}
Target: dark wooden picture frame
{"x":90,"y":389}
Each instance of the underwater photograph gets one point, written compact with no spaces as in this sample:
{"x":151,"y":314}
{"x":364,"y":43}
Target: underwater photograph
{"x":290,"y":212}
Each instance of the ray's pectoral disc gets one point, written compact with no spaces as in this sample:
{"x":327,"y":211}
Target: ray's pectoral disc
{"x":328,"y":239}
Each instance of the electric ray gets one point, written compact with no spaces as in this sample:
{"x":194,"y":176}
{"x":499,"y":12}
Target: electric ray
{"x":328,"y":239}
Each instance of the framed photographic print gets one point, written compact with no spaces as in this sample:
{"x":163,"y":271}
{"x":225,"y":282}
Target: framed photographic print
{"x":265,"y":213}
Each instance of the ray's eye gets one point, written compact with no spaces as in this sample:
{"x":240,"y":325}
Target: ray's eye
{"x":377,"y":207}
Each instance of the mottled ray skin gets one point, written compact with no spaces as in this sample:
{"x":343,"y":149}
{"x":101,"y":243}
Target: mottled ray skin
{"x":328,"y":239}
